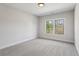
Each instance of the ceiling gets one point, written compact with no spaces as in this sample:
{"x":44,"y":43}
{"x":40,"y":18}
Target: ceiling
{"x":49,"y":8}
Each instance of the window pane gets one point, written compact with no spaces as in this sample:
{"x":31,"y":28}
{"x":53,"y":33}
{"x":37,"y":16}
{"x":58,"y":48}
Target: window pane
{"x":49,"y":26}
{"x":59,"y":26}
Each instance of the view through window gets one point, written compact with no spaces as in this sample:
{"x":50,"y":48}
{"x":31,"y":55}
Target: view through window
{"x":49,"y":26}
{"x":58,"y":24}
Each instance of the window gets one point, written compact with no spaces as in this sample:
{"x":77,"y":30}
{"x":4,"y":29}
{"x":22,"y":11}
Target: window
{"x":49,"y":26}
{"x":55,"y":25}
{"x":59,"y":26}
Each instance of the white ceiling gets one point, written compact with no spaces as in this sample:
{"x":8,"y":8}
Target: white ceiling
{"x":49,"y":8}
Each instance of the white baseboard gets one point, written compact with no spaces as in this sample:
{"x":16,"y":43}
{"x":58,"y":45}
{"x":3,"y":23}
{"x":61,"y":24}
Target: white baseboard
{"x":77,"y":49}
{"x":57,"y":40}
{"x":15,"y":43}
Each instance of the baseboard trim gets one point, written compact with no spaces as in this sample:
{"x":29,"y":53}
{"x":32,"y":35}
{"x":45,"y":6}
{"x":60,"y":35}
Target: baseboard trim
{"x":15,"y":43}
{"x":57,"y":40}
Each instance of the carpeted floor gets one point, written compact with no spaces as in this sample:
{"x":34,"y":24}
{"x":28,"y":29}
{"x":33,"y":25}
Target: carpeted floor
{"x":40,"y":47}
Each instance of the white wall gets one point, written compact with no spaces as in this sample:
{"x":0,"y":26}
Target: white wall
{"x":16,"y":26}
{"x":77,"y":26}
{"x":68,"y":26}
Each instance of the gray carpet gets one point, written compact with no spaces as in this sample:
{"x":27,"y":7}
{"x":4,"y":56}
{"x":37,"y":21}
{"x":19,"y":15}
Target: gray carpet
{"x":40,"y":47}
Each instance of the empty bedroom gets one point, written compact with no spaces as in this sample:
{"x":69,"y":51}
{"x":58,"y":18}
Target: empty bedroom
{"x":39,"y":29}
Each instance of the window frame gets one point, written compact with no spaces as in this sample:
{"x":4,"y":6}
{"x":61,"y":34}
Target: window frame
{"x":53,"y":31}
